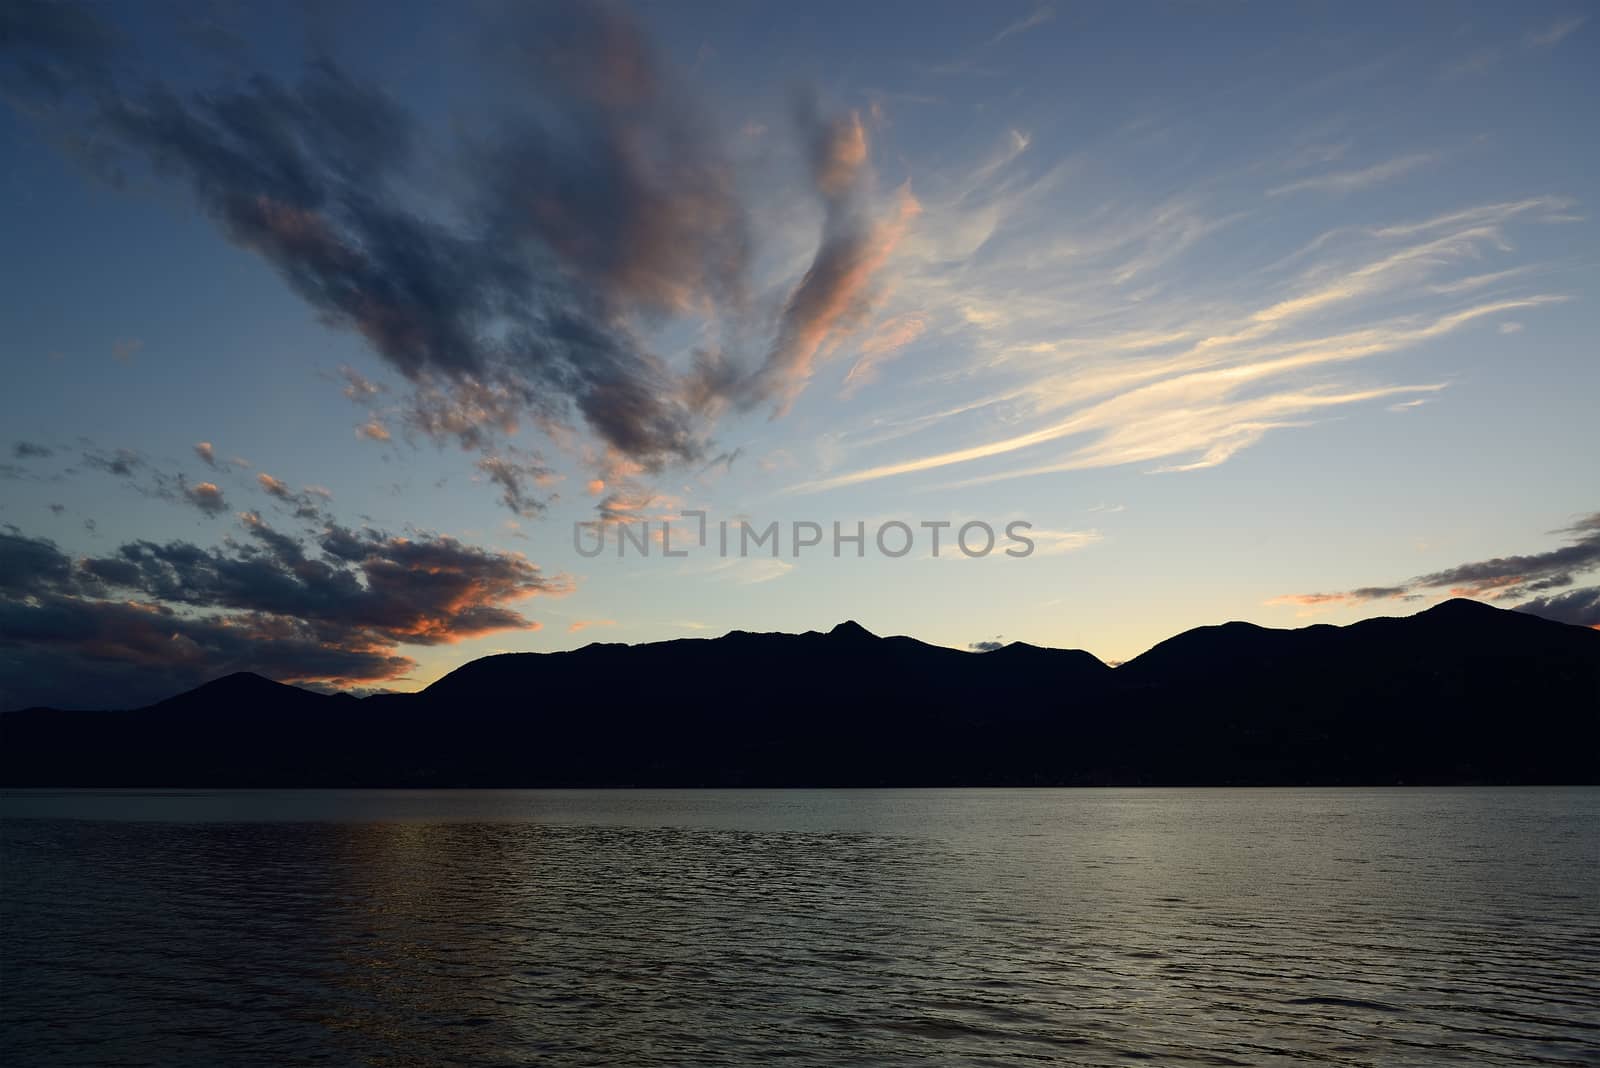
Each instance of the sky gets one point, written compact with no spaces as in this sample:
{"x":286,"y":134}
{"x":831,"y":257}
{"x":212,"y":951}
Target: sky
{"x":336,"y":337}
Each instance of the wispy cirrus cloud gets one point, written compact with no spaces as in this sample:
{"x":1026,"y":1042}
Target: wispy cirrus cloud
{"x":1102,"y":359}
{"x":1552,"y":34}
{"x":1039,"y":16}
{"x":1353,"y":181}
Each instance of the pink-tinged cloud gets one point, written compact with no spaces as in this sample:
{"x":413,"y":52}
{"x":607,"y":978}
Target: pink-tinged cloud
{"x":835,"y":296}
{"x":373,"y":430}
{"x":1357,"y":596}
{"x":207,"y":454}
{"x":885,"y":343}
{"x":839,"y":153}
{"x":584,"y":624}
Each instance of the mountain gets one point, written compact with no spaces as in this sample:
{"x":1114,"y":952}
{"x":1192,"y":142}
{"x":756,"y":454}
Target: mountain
{"x":1460,"y":693}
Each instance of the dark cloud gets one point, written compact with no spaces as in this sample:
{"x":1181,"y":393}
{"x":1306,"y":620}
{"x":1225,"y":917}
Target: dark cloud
{"x":516,"y":479}
{"x":153,"y":617}
{"x":1500,"y":578}
{"x":1378,"y":593}
{"x":123,"y":463}
{"x":28,"y":450}
{"x":594,"y":202}
{"x":600,"y":200}
{"x":1581,"y":607}
{"x":52,"y":49}
{"x":145,"y":478}
{"x":1511,"y":576}
{"x":988,"y":645}
{"x":305,"y":504}
{"x":205,"y":496}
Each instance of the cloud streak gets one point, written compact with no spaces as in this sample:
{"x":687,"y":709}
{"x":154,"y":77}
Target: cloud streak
{"x":1526,"y":578}
{"x":1183,"y":383}
{"x":1354,"y":181}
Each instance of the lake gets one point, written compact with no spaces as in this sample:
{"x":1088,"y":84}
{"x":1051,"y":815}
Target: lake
{"x":872,"y":927}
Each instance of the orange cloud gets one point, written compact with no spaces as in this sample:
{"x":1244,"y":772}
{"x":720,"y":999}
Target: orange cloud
{"x":841,"y":154}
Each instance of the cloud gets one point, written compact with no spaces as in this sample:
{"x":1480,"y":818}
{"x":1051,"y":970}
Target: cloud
{"x":838,"y":289}
{"x":28,"y":450}
{"x":584,"y":624}
{"x":125,"y":349}
{"x":1176,"y":382}
{"x":156,"y":616}
{"x":307,"y":504}
{"x":1353,"y":181}
{"x":1553,"y":34}
{"x":206,"y":497}
{"x":207,"y":454}
{"x":618,"y":207}
{"x":587,"y":207}
{"x":988,"y":645}
{"x":1056,"y":542}
{"x":275,"y":487}
{"x":123,"y":463}
{"x":516,"y":478}
{"x":1038,"y":17}
{"x":1499,"y":578}
{"x":1357,"y":596}
{"x":1580,"y":607}
{"x":841,"y":286}
{"x":358,"y":387}
{"x":886,"y":341}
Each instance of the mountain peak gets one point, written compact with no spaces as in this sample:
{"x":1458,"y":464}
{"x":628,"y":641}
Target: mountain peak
{"x":851,"y":629}
{"x":237,"y":689}
{"x":1460,"y":607}
{"x":241,"y":680}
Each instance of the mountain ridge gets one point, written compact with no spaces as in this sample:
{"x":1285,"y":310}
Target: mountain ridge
{"x":1461,"y":692}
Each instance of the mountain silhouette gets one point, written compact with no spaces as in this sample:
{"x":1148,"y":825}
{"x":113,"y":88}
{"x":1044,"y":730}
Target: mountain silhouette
{"x":1460,"y":693}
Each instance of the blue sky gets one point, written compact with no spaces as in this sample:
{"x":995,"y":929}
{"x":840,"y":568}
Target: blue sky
{"x":1251,"y":311}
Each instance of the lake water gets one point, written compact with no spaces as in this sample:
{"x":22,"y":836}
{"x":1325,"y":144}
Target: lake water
{"x":1083,"y":927}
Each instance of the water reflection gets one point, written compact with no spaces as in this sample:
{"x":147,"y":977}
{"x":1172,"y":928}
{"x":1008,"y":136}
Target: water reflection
{"x":729,"y":928}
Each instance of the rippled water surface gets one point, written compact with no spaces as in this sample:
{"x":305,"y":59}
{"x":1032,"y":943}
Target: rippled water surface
{"x":818,"y":927}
